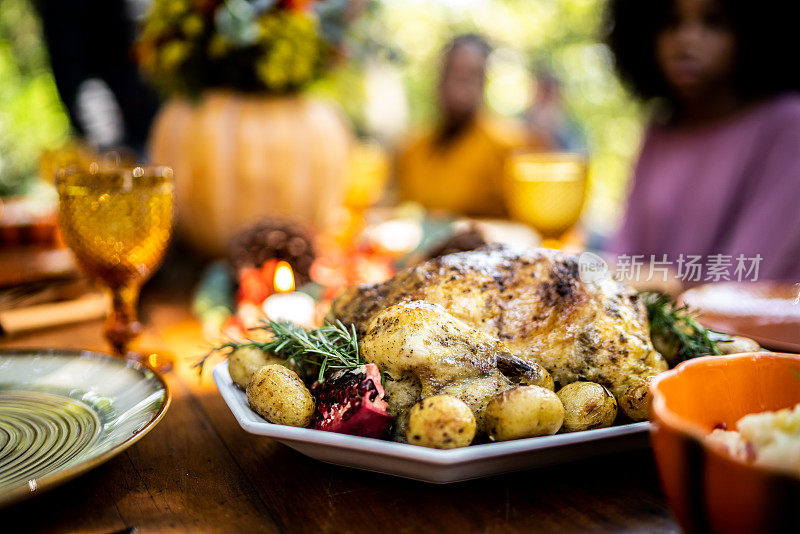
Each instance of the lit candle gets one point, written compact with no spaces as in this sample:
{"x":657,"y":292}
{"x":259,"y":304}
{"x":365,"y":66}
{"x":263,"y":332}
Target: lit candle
{"x":286,"y":304}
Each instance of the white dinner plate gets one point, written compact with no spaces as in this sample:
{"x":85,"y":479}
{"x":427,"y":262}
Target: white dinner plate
{"x":432,"y":465}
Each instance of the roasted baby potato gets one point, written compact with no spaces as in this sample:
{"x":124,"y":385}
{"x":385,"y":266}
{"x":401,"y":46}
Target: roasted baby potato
{"x":440,"y":422}
{"x":244,"y":362}
{"x":540,"y":377}
{"x":523,"y":412}
{"x":523,"y":369}
{"x":587,"y":405}
{"x":737,"y":345}
{"x":635,"y":400}
{"x":278,"y":395}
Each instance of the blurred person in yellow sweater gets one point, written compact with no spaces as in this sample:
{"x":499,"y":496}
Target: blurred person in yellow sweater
{"x":457,"y":166}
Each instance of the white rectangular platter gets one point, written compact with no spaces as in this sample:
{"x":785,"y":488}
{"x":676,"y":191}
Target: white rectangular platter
{"x":432,"y":465}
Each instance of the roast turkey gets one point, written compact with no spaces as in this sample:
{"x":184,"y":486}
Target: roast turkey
{"x":534,"y":303}
{"x":423,"y":351}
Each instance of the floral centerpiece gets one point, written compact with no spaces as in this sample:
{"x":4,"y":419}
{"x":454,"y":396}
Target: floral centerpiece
{"x":274,"y":46}
{"x":244,"y":140}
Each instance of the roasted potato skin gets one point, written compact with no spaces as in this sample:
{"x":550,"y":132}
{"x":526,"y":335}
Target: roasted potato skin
{"x":440,"y":422}
{"x":244,"y":362}
{"x":587,"y":405}
{"x":544,"y":380}
{"x":738,"y":345}
{"x":278,"y":395}
{"x":534,"y":375}
{"x":523,"y":412}
{"x":635,"y":400}
{"x":668,"y":346}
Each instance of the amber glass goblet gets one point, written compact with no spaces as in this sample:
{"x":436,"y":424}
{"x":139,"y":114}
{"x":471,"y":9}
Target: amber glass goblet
{"x":117,"y":221}
{"x":546,"y":191}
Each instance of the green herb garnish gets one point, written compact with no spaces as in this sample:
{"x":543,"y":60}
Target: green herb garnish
{"x":332,"y":346}
{"x":674,"y":330}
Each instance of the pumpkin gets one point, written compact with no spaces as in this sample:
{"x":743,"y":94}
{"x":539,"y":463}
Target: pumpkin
{"x":239,"y":158}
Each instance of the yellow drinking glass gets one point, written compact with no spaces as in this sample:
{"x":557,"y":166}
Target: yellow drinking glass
{"x":546,"y":191}
{"x":368,"y":172}
{"x":117,"y":220}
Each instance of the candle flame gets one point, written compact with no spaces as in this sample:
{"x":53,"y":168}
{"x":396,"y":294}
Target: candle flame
{"x":283,"y":281}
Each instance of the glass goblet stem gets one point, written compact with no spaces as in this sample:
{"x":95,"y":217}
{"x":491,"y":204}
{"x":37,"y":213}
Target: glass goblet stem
{"x":122,"y":325}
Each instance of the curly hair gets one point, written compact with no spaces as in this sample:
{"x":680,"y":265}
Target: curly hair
{"x":764,"y":31}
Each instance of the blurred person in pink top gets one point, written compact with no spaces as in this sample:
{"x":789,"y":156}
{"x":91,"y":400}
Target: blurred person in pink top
{"x":719,"y":168}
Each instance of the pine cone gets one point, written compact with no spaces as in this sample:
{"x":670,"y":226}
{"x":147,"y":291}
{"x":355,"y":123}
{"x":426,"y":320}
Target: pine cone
{"x":274,"y":239}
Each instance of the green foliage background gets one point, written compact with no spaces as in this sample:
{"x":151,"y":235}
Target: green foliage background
{"x":31,"y":115}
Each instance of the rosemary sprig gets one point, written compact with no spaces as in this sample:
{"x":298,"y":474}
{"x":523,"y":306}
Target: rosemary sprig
{"x":332,"y":346}
{"x":675,"y":331}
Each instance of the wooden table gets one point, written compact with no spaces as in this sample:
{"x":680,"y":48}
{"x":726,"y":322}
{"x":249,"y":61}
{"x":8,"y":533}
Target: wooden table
{"x":199,"y":471}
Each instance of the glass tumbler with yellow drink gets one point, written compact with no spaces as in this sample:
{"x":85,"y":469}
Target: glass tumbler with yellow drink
{"x":117,"y":220}
{"x":546,"y":191}
{"x":369,"y":168}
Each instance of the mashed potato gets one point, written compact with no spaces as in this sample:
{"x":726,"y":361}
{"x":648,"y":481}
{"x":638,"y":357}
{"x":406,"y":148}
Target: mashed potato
{"x":771,"y":439}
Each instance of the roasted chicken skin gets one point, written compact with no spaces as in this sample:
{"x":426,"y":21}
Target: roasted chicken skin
{"x":535,"y":303}
{"x":425,"y":351}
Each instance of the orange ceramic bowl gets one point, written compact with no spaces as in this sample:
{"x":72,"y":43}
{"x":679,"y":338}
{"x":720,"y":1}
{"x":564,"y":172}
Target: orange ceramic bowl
{"x":708,"y":490}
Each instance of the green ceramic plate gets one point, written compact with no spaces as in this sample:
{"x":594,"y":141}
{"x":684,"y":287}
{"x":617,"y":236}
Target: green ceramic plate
{"x":64,"y":412}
